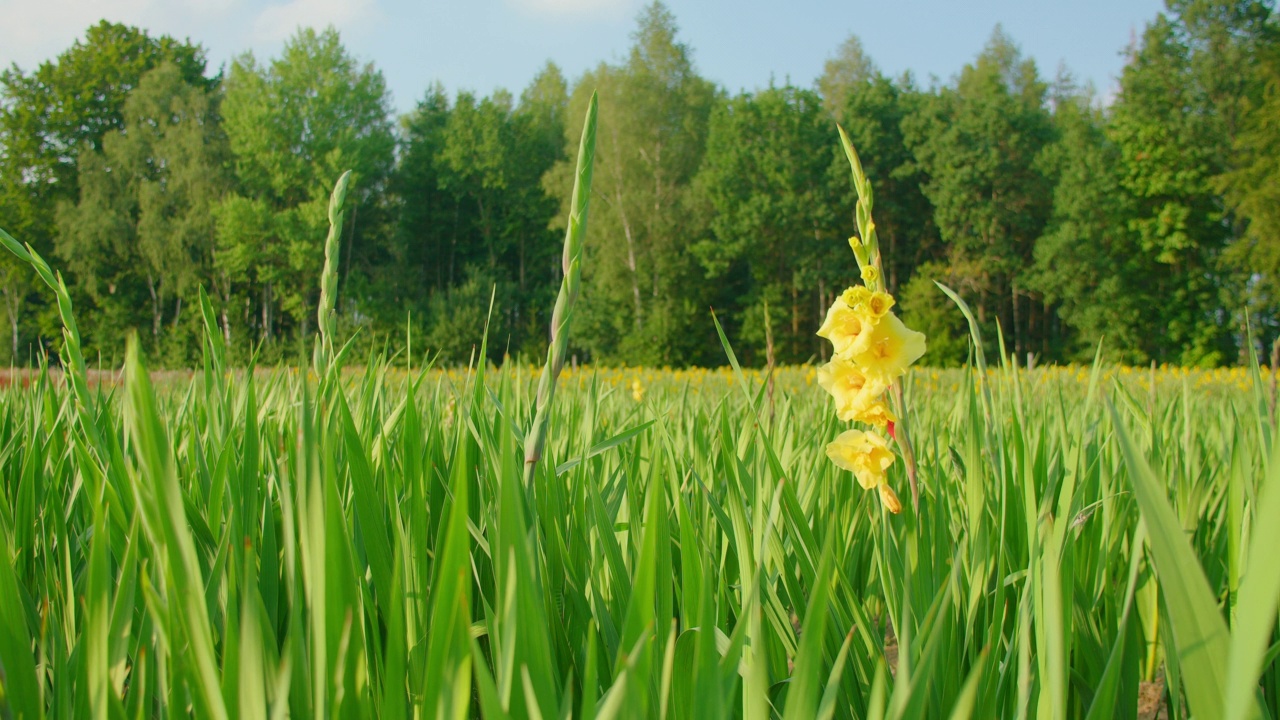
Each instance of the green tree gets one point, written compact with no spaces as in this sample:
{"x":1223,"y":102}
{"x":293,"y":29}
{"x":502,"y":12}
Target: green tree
{"x":978,"y":142}
{"x":47,"y":117}
{"x":141,"y":234}
{"x":1236,"y":57}
{"x":872,"y":113}
{"x":1087,"y":264}
{"x":871,"y":108}
{"x":843,"y":75}
{"x":1253,"y":189}
{"x":492,"y":162}
{"x":475,"y":215}
{"x":641,"y":285}
{"x":1225,"y":40}
{"x":771,"y":240}
{"x":927,"y":309}
{"x":540,"y":130}
{"x":1170,"y":154}
{"x":294,"y":126}
{"x":426,"y":230}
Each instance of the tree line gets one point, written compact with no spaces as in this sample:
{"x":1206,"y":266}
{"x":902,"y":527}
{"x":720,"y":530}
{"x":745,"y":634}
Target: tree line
{"x":1150,"y":218}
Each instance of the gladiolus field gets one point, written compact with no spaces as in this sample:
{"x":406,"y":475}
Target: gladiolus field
{"x":380,"y":537}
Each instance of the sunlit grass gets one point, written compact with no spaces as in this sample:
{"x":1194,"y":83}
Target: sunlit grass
{"x":652,"y":521}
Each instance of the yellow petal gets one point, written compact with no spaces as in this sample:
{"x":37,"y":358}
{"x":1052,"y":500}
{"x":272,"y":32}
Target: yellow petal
{"x":888,"y":349}
{"x":878,"y":304}
{"x":865,"y":454}
{"x":854,"y":393}
{"x":873,"y":412}
{"x":843,"y":327}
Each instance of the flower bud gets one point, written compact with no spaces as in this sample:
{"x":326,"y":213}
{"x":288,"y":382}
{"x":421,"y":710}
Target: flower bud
{"x":890,"y":499}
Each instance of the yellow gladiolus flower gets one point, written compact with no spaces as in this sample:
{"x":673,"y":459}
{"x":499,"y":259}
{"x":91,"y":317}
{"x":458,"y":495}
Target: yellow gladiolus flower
{"x":873,"y":413}
{"x":843,"y":327}
{"x":888,"y":349}
{"x":865,"y":454}
{"x":878,"y":304}
{"x":890,"y":499}
{"x":857,"y":397}
{"x":870,"y":274}
{"x":855,"y":296}
{"x":872,"y":305}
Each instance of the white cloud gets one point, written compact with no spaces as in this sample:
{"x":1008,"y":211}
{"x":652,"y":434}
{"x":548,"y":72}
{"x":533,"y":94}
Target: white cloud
{"x":279,"y":21}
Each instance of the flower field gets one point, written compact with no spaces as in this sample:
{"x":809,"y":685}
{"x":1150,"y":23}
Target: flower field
{"x":398,"y":540}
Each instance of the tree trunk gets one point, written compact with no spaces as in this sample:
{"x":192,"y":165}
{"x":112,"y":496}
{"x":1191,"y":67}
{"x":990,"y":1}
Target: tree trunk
{"x":521,"y":260}
{"x":266,"y":313}
{"x":226,"y":323}
{"x":1047,"y":329}
{"x":351,"y":243}
{"x":486,"y":230}
{"x":453,"y":242}
{"x":1017,"y":334}
{"x":795,"y":316}
{"x":655,"y":234}
{"x":627,"y":233}
{"x":13,"y":325}
{"x":631,"y":261}
{"x":157,"y":312}
{"x":1033,"y":327}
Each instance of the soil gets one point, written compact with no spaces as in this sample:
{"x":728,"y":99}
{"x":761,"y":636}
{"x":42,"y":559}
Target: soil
{"x":1151,"y":704}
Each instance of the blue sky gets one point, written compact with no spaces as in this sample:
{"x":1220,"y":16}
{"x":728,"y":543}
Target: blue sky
{"x":481,"y":45}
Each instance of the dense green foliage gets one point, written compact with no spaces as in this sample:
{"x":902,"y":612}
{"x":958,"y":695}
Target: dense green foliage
{"x":1149,"y":219}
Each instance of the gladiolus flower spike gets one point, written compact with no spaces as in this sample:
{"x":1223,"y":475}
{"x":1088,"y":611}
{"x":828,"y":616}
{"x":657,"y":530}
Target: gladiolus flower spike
{"x":871,"y":350}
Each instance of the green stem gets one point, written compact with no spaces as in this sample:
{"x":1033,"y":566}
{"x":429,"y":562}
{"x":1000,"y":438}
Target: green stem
{"x":576,"y":231}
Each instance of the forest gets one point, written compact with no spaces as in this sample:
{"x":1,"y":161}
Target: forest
{"x":1147,"y":218}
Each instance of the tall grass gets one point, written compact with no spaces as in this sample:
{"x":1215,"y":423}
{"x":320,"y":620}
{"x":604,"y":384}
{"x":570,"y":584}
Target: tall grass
{"x":374,"y":543}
